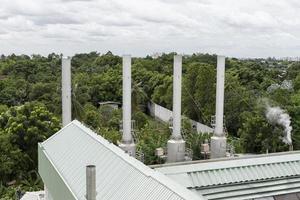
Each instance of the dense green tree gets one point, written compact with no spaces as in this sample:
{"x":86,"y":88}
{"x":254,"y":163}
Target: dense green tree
{"x":106,"y":86}
{"x":162,"y":94}
{"x":149,"y":138}
{"x":294,"y":110}
{"x":293,"y":70}
{"x":199,"y":92}
{"x":237,"y":100}
{"x":13,"y":91}
{"x":296,"y":83}
{"x":22,"y":127}
{"x":98,"y":77}
{"x":258,"y":135}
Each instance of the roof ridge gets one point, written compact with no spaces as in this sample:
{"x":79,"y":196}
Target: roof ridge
{"x":136,"y":164}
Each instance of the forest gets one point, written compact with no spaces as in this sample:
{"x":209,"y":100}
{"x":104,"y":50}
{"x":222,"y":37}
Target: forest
{"x":30,"y":105}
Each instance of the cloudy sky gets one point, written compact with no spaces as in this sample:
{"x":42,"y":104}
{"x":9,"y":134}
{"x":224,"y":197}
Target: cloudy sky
{"x":240,"y":28}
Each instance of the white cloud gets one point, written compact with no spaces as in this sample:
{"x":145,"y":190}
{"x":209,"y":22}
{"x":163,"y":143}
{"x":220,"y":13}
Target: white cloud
{"x":243,"y":28}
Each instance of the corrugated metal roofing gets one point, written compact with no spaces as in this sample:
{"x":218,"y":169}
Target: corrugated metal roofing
{"x":118,"y":175}
{"x":245,"y":173}
{"x":251,"y":190}
{"x":240,"y":178}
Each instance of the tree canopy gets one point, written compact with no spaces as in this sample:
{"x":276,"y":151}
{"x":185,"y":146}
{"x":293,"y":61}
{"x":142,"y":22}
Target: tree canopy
{"x":30,"y":104}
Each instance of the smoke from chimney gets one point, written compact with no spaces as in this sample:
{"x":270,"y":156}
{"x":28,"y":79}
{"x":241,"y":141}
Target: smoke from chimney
{"x":276,"y":115}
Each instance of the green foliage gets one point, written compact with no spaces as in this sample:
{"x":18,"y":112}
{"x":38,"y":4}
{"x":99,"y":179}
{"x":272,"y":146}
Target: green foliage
{"x":140,"y":118}
{"x":92,"y":116}
{"x":110,"y":117}
{"x":106,"y":86}
{"x":294,"y":110}
{"x":98,"y":77}
{"x":46,"y":93}
{"x":21,"y":128}
{"x":199,"y":92}
{"x":163,"y":93}
{"x":259,"y":136}
{"x":293,"y":70}
{"x":13,"y":91}
{"x":111,"y":135}
{"x":194,"y":141}
{"x":297,"y":83}
{"x":237,"y":100}
{"x":150,"y":138}
{"x":7,"y":193}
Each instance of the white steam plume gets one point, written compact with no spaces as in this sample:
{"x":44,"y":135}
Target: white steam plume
{"x":276,"y":115}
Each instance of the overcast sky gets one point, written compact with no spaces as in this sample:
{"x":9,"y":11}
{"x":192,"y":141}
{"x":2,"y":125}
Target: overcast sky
{"x":240,"y":28}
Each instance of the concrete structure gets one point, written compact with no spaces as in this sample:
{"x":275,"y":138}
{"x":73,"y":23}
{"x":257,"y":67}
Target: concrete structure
{"x":127,"y":141}
{"x":113,"y":104}
{"x":38,"y":195}
{"x":269,"y":177}
{"x":66,"y":90}
{"x":218,"y":141}
{"x":176,"y":145}
{"x":62,"y":166}
{"x":165,"y":115}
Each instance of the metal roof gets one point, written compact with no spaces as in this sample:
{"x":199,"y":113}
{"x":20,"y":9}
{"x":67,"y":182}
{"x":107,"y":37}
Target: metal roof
{"x":239,"y":178}
{"x":64,"y":156}
{"x":244,"y":173}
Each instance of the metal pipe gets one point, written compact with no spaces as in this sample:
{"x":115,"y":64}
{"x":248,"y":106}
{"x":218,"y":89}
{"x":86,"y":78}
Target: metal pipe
{"x":177,"y":74}
{"x":127,"y":137}
{"x":66,"y":90}
{"x":220,"y":97}
{"x":91,"y":182}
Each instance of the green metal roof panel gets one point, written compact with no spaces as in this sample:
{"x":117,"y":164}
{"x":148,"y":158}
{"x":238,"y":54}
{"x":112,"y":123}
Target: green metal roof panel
{"x":238,"y":178}
{"x":251,"y":190}
{"x":118,"y":175}
{"x":244,"y":174}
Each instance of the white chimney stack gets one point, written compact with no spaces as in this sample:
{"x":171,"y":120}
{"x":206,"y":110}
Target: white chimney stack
{"x":177,"y":74}
{"x":127,"y":141}
{"x":176,"y":145}
{"x":218,"y":141}
{"x":66,"y":91}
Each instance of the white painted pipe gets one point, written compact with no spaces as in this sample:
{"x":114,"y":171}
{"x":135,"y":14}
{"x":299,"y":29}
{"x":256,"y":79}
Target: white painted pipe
{"x":220,"y":96}
{"x":177,"y":74}
{"x":91,"y":182}
{"x":127,"y":137}
{"x":66,"y":91}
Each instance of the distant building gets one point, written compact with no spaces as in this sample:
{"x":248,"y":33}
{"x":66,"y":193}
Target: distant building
{"x":112,"y":104}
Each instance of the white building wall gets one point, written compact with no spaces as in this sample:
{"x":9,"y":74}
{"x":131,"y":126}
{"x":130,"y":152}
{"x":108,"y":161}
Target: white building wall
{"x":165,"y":115}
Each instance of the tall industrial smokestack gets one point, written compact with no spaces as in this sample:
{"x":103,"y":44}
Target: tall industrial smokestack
{"x":176,"y":145}
{"x":66,"y":90}
{"x":218,"y":141}
{"x":127,"y":141}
